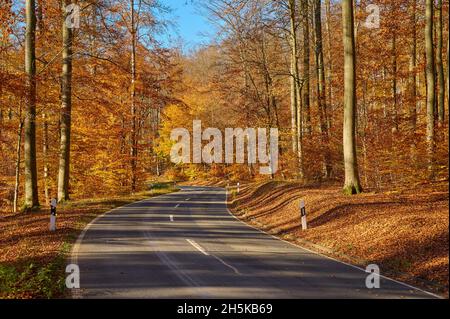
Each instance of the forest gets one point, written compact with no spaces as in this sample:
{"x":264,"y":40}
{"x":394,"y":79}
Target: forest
{"x":92,"y":91}
{"x":88,"y":108}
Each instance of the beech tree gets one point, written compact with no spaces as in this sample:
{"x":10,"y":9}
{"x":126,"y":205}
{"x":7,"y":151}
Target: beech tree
{"x":66,"y":105}
{"x":352,"y":183}
{"x":31,"y":187}
{"x":440,"y":63}
{"x":431,"y":83}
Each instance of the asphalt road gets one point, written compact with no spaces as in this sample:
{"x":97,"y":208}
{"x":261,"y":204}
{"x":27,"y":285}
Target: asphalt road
{"x":187,"y":245}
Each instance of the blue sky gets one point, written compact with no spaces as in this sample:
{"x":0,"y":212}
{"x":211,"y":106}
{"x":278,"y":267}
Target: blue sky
{"x":190,"y":24}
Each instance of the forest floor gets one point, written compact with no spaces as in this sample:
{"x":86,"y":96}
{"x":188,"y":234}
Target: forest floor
{"x":33,"y":259}
{"x":405,"y":233}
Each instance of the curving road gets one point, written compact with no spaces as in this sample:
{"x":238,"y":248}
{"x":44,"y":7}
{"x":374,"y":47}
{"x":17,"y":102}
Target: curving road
{"x":187,"y":245}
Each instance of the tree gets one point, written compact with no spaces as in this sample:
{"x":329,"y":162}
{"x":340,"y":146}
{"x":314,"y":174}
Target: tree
{"x":431,"y":84}
{"x":66,"y":106}
{"x":45,"y":135}
{"x":306,"y":68}
{"x":352,"y":182}
{"x":321,"y":86}
{"x":296,"y":108}
{"x":440,"y":63}
{"x":413,"y":67}
{"x":31,"y":187}
{"x":133,"y":135}
{"x":18,"y":160}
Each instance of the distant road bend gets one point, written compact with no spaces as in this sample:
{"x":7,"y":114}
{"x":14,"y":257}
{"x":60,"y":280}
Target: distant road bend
{"x":187,"y":245}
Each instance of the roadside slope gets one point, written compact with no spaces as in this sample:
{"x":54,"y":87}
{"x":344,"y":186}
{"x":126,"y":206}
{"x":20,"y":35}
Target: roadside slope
{"x":33,"y":259}
{"x":406,"y":234}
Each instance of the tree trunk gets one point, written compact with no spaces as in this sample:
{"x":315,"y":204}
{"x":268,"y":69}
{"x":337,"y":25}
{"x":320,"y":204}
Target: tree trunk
{"x":321,"y":87}
{"x":413,"y":69}
{"x":394,"y":113}
{"x":301,"y":168}
{"x":18,"y":160}
{"x":133,"y":137}
{"x":31,"y":187}
{"x":431,"y":85}
{"x":330,"y":60}
{"x":296,"y":109}
{"x":66,"y":108}
{"x":41,"y":27}
{"x":45,"y":156}
{"x":352,"y":182}
{"x":440,"y":64}
{"x":294,"y":74}
{"x":306,"y":68}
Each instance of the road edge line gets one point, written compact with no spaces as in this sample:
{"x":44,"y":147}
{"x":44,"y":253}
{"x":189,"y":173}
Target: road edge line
{"x":76,"y":293}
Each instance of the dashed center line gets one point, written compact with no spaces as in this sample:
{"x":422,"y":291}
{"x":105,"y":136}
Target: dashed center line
{"x":204,"y":252}
{"x":171,"y":218}
{"x":198,"y":247}
{"x":177,"y":206}
{"x":228,"y":265}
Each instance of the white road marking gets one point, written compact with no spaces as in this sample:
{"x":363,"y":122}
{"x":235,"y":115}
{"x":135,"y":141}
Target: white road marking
{"x":204,"y":252}
{"x":187,"y":199}
{"x":171,"y":218}
{"x":177,"y":206}
{"x":228,"y":265}
{"x":198,"y":247}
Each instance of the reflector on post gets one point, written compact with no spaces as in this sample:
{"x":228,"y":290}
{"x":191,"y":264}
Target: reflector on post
{"x":303,"y":215}
{"x":53,"y":215}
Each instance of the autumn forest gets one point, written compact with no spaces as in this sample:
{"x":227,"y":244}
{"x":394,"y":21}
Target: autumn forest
{"x":89,"y":109}
{"x":91,"y":92}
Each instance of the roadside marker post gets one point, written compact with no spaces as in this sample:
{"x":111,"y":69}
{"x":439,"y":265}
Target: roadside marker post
{"x":303,"y":215}
{"x":238,"y":184}
{"x":53,"y":215}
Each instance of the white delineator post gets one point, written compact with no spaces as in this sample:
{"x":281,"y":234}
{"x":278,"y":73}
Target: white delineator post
{"x":303,"y":215}
{"x":238,"y":184}
{"x":53,"y":215}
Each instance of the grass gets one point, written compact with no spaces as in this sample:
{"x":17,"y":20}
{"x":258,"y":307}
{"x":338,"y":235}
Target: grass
{"x":33,"y":260}
{"x":34,"y":279}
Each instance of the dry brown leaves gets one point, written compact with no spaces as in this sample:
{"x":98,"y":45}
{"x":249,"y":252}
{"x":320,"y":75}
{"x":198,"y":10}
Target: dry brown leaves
{"x":405,"y":233}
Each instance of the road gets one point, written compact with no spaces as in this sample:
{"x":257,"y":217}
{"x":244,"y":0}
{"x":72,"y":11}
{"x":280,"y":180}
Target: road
{"x":187,"y":245}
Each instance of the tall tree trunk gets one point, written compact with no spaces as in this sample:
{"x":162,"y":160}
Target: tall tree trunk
{"x":294,"y":73}
{"x":352,"y":182}
{"x":300,"y":119}
{"x":18,"y":160}
{"x":40,"y":25}
{"x":296,"y":110}
{"x":395,"y":126}
{"x":157,"y":136}
{"x":66,"y":108}
{"x":306,"y":68}
{"x":431,"y":85}
{"x":321,"y":87}
{"x":413,"y":69}
{"x":133,"y":137}
{"x":45,"y":156}
{"x":31,"y":187}
{"x":92,"y":38}
{"x":440,"y":63}
{"x":330,"y":59}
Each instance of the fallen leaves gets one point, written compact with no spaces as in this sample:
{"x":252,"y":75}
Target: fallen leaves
{"x":405,"y":233}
